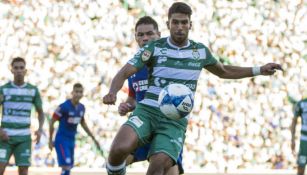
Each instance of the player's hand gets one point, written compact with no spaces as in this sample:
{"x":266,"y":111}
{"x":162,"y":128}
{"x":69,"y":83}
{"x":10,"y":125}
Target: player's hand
{"x":270,"y":68}
{"x":109,"y":99}
{"x":124,"y":108}
{"x":50,"y":145}
{"x":38,"y":134}
{"x":3,"y":135}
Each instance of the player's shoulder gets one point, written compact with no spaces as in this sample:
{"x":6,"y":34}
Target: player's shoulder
{"x":156,"y":43}
{"x":197,"y":45}
{"x":7,"y":84}
{"x":31,"y":86}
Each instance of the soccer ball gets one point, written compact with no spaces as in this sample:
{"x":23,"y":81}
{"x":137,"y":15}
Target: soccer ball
{"x":176,"y":101}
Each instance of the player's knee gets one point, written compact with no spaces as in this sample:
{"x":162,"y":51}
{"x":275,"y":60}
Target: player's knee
{"x":23,"y":170}
{"x":160,"y":162}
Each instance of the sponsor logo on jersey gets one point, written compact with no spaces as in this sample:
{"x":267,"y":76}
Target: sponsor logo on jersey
{"x":162,"y":59}
{"x":194,"y":64}
{"x":26,"y":153}
{"x":196,"y":54}
{"x":2,"y":153}
{"x":74,"y":120}
{"x":136,"y":121}
{"x":163,"y":51}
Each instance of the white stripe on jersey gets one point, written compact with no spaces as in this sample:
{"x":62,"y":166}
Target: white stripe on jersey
{"x":17,"y":132}
{"x":303,"y":137}
{"x":304,"y":128}
{"x":154,"y":90}
{"x":19,"y":92}
{"x":17,"y":105}
{"x":173,"y":73}
{"x":14,"y":119}
{"x":150,"y":102}
{"x":179,"y":54}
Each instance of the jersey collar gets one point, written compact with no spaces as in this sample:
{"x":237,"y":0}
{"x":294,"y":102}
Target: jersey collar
{"x":176,"y":47}
{"x":14,"y":85}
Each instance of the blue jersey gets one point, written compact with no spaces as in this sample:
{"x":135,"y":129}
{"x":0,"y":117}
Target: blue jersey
{"x":138,"y":84}
{"x":69,"y":117}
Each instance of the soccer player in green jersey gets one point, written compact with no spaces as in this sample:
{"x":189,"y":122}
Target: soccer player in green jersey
{"x":174,"y":59}
{"x":17,"y":100}
{"x":300,"y":110}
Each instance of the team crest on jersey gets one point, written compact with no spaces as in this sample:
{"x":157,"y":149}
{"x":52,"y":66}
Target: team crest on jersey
{"x":146,"y":55}
{"x":196,"y":54}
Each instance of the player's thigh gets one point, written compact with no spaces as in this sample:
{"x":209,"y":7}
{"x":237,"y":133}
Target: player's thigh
{"x":173,"y":170}
{"x":5,"y":152}
{"x":22,"y":153}
{"x":64,"y":153}
{"x":140,"y":120}
{"x":168,"y":138}
{"x":302,"y":154}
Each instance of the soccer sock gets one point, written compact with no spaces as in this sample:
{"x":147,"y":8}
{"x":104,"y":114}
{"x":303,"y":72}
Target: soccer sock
{"x":116,"y":170}
{"x":65,"y":172}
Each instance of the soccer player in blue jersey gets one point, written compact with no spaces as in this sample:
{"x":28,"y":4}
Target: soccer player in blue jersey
{"x":174,"y":59}
{"x":146,"y":29}
{"x":69,"y":114}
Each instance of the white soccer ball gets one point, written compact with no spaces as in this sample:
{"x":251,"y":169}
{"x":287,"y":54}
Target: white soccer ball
{"x":176,"y":101}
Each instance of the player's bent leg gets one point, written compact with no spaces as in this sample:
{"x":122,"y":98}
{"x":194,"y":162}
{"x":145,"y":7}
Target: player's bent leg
{"x":2,"y":167}
{"x":130,"y":159}
{"x":23,"y":170}
{"x":123,"y":144}
{"x":173,"y":170}
{"x":159,"y":164}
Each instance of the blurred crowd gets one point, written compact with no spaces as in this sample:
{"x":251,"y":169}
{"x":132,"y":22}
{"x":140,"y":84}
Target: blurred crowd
{"x":234,"y":124}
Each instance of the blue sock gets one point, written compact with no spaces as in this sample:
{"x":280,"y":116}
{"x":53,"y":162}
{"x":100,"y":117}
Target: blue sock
{"x":65,"y":172}
{"x":116,"y":170}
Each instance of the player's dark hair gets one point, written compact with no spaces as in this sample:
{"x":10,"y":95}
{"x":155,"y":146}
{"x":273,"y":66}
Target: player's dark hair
{"x":18,"y":59}
{"x":179,"y":7}
{"x":77,"y":85}
{"x":147,"y":20}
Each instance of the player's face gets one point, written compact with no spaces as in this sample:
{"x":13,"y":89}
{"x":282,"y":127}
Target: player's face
{"x":179,"y":25}
{"x":77,"y":93}
{"x":145,"y":33}
{"x":19,"y":71}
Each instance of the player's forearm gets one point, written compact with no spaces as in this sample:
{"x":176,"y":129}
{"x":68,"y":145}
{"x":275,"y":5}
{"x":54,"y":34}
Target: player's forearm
{"x":235,"y":72}
{"x":121,"y":76}
{"x":51,"y":130}
{"x":292,"y":129}
{"x":41,"y":120}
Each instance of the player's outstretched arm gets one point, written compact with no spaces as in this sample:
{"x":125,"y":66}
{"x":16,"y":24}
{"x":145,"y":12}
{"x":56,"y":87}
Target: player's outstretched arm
{"x":292,"y":130}
{"x":51,"y":131}
{"x":236,"y":72}
{"x":87,"y":130}
{"x":117,"y":83}
{"x":41,"y":120}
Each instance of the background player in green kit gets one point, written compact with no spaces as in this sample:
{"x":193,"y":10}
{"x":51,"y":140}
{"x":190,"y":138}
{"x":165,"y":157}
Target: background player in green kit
{"x":300,"y":110}
{"x":17,"y":100}
{"x":174,"y":59}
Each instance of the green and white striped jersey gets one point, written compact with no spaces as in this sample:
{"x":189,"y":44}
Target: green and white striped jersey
{"x":168,"y":64}
{"x":16,"y":107}
{"x":300,"y":110}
